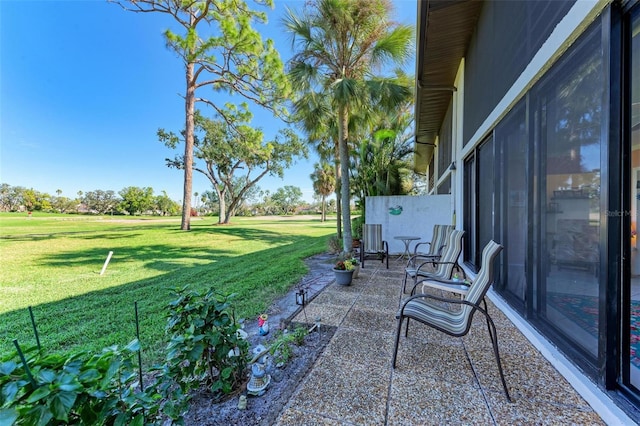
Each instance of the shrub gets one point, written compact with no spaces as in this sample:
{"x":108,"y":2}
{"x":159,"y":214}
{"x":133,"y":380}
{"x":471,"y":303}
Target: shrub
{"x":356,"y":227}
{"x":75,"y":389}
{"x":280,"y":348}
{"x":203,"y":333}
{"x":81,"y":388}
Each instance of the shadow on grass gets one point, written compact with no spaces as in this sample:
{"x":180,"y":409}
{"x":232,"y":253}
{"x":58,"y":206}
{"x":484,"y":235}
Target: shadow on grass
{"x":167,"y":257}
{"x":105,"y":317}
{"x":116,"y":232}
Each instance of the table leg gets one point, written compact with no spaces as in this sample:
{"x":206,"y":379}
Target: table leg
{"x":406,"y":253}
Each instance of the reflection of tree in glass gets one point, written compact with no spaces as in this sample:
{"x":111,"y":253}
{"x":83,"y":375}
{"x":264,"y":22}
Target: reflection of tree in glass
{"x":576,"y":113}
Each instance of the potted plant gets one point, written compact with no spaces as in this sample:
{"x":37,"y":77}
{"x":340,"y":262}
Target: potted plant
{"x":343,"y":270}
{"x":356,"y":266}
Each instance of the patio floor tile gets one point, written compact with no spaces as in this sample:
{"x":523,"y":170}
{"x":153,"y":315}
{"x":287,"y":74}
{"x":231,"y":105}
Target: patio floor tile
{"x":438,"y":379}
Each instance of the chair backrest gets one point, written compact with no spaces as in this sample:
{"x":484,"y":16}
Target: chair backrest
{"x":439,"y":238}
{"x":372,"y":237}
{"x":484,"y":278}
{"x":450,"y":255}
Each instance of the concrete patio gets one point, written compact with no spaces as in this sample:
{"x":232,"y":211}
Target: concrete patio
{"x":438,"y":379}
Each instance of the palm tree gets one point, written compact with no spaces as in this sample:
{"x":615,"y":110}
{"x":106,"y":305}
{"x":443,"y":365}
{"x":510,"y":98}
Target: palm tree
{"x":381,"y":164}
{"x":338,"y":46}
{"x":324,"y":183}
{"x":313,"y":113}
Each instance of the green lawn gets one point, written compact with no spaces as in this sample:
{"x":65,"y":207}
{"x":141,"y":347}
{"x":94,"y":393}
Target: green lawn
{"x":53,"y":263}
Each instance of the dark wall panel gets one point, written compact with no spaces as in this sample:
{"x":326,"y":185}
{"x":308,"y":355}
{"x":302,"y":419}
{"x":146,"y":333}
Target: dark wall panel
{"x":508,"y":35}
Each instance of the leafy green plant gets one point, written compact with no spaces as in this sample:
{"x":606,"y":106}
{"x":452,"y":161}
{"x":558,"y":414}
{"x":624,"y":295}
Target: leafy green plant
{"x":205,"y":347}
{"x":344,"y":265}
{"x":79,"y":388}
{"x":356,"y":226}
{"x":280,"y":348}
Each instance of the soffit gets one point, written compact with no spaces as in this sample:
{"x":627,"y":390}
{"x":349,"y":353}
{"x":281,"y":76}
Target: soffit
{"x":444,"y":30}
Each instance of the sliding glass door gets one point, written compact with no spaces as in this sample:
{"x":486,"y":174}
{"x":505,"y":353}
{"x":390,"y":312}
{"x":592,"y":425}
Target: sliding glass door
{"x":570,"y":109}
{"x":633,"y":352}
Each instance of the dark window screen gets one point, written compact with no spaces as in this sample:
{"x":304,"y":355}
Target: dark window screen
{"x":508,"y":35}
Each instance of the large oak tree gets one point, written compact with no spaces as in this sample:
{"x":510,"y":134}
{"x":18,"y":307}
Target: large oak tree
{"x":235,"y":159}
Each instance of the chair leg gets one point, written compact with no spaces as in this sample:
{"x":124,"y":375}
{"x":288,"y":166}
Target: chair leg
{"x":406,"y":329}
{"x":487,"y":318}
{"x":493,"y":335}
{"x":395,"y":348}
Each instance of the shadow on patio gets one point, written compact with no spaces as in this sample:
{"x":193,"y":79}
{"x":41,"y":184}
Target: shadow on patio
{"x":438,"y":379}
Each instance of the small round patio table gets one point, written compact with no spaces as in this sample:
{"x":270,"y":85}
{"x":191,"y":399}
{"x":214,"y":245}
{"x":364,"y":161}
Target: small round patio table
{"x":406,"y":239}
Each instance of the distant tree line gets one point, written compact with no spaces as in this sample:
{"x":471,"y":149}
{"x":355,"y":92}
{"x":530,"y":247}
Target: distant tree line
{"x":130,"y":200}
{"x":134,"y":200}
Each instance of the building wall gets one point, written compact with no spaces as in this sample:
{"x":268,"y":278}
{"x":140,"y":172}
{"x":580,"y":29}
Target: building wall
{"x":408,"y":215}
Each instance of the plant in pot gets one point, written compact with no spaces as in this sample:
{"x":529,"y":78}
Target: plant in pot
{"x":356,"y":266}
{"x":343,"y":270}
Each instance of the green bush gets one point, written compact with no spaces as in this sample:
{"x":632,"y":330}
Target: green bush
{"x":104,"y":389}
{"x":203,"y":332}
{"x":356,"y":227}
{"x":81,"y":388}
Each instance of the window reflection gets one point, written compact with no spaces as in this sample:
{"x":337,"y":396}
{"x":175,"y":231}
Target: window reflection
{"x":571,"y":129}
{"x":512,"y":137}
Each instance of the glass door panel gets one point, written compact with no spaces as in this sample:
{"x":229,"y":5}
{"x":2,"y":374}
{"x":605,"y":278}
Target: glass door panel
{"x":486,"y":191}
{"x":570,"y":195}
{"x":512,"y":137}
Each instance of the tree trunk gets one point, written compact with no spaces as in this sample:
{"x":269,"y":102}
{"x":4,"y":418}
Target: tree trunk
{"x":343,"y":135}
{"x":222,"y":204}
{"x":189,"y":106}
{"x":338,"y":201}
{"x":230,"y":213}
{"x":324,"y":214}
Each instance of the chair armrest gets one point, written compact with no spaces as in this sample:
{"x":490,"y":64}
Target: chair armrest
{"x":475,"y":306}
{"x":415,"y":249}
{"x":439,"y":299}
{"x":434,"y":263}
{"x":458,"y":287}
{"x":411,"y":262}
{"x":446,"y":281}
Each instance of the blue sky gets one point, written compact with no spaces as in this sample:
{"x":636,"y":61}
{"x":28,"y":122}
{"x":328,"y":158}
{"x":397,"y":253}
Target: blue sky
{"x":85,"y":85}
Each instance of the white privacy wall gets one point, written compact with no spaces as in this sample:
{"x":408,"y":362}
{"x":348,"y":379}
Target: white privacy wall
{"x":417,"y":215}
